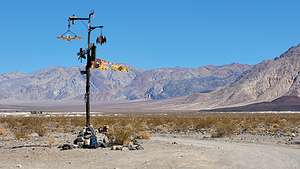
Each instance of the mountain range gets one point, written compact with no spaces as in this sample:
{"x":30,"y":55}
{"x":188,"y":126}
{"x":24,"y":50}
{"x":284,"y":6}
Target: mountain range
{"x":264,"y":82}
{"x":106,"y":86}
{"x":207,"y":87}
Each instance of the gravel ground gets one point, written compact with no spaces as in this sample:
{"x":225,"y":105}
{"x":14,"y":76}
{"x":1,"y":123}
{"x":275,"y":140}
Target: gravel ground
{"x":162,"y":151}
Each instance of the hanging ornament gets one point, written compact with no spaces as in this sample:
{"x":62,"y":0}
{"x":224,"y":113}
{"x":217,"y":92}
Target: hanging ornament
{"x":81,"y":54}
{"x":101,"y":39}
{"x":69,"y":35}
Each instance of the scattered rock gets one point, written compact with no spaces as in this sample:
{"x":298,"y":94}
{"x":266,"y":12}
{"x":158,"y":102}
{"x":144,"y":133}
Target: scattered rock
{"x":34,"y":135}
{"x":298,"y":130}
{"x":125,"y":148}
{"x":67,"y":147}
{"x":203,"y":131}
{"x":135,"y":146}
{"x":117,"y":147}
{"x":295,"y":141}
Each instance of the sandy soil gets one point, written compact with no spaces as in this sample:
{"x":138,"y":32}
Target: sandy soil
{"x":160,"y":152}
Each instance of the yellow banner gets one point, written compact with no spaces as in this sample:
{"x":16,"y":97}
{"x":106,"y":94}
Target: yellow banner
{"x":104,"y":65}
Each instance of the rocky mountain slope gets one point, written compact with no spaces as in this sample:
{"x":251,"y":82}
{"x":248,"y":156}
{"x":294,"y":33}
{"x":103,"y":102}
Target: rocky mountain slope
{"x":266,"y":81}
{"x":67,"y":83}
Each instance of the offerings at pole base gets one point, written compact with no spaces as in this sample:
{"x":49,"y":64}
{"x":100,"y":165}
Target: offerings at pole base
{"x":89,"y":138}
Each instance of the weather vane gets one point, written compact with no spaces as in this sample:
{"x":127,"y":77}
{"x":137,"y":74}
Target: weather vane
{"x":90,"y":55}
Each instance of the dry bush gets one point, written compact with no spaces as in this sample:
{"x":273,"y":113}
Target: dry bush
{"x":144,"y":135}
{"x":77,"y":122}
{"x":121,"y":135}
{"x":2,"y":131}
{"x":51,"y":141}
{"x":126,"y":126}
{"x":22,"y":127}
{"x":21,"y":133}
{"x":223,"y":128}
{"x":37,"y":125}
{"x":126,"y":129}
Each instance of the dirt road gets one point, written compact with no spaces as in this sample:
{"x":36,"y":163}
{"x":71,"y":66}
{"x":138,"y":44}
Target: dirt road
{"x":160,"y":152}
{"x":243,"y":155}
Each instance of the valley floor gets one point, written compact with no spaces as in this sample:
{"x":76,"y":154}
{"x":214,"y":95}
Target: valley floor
{"x":161,"y":151}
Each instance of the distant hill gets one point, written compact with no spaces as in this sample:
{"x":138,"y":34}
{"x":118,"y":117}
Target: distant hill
{"x":269,"y":85}
{"x":285,"y":103}
{"x":264,"y":82}
{"x":67,"y":84}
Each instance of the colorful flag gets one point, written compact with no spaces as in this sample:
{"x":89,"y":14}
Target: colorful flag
{"x":104,"y":65}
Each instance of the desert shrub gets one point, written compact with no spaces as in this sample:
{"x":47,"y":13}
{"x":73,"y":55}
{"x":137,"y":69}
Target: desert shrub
{"x":51,"y":141}
{"x":20,"y":133}
{"x":76,"y":121}
{"x":144,"y":135}
{"x":127,"y":129}
{"x":38,"y":125}
{"x":120,"y":135}
{"x":21,"y":127}
{"x":41,"y":131}
{"x":129,"y":125}
{"x":223,"y":128}
{"x":2,"y":131}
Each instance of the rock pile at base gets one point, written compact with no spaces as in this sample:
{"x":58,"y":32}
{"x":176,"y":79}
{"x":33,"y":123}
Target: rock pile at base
{"x":91,"y":139}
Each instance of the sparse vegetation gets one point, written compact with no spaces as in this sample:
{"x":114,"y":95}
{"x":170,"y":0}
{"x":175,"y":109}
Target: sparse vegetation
{"x":121,"y":135}
{"x":20,"y":133}
{"x":144,"y":135}
{"x":2,"y":131}
{"x":141,"y":126}
{"x":223,"y":128}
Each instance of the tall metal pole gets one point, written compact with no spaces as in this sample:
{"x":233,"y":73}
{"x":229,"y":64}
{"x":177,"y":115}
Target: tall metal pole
{"x":88,"y":73}
{"x":87,"y":90}
{"x":89,"y":61}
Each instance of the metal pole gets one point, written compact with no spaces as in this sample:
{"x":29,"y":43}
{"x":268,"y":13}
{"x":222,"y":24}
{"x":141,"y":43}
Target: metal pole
{"x":87,"y":95}
{"x":88,"y":73}
{"x":88,"y":63}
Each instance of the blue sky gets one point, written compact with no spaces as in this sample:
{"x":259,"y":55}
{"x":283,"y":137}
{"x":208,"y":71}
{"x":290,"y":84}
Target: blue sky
{"x":149,"y":34}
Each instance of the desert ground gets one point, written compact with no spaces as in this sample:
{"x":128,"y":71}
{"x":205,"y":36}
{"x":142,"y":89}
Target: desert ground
{"x":267,"y":141}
